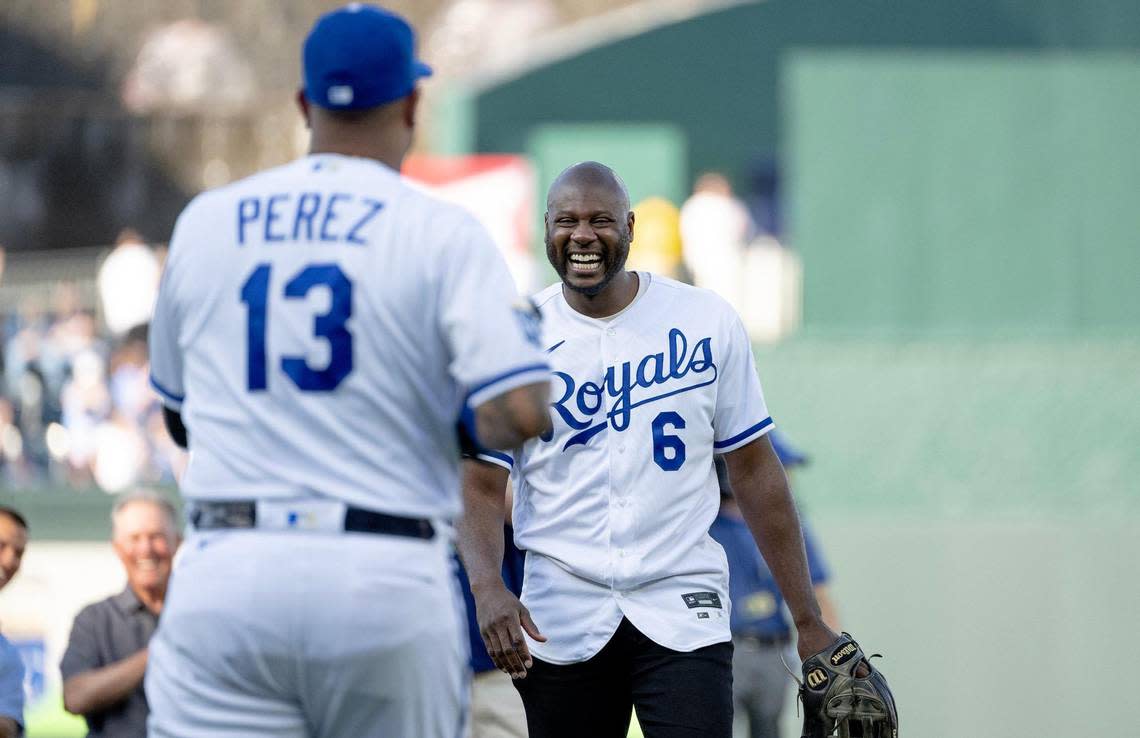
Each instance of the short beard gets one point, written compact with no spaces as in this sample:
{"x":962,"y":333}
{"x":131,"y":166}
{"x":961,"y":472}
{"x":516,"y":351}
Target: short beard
{"x":612,"y":270}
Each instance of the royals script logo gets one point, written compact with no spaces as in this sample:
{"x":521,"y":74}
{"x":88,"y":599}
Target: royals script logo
{"x":628,"y":386}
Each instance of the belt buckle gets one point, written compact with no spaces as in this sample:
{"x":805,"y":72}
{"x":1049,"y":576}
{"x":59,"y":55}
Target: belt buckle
{"x":213,"y":515}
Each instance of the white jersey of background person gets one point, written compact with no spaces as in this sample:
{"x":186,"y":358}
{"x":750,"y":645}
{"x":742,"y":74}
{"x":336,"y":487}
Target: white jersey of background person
{"x":614,"y":506}
{"x":319,"y":327}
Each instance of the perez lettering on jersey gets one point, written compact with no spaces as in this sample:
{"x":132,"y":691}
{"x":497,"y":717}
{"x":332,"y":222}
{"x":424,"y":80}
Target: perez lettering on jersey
{"x":665,"y":370}
{"x":307,"y":216}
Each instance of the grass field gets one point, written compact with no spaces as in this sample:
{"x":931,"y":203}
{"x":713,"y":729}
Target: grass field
{"x":48,"y":720}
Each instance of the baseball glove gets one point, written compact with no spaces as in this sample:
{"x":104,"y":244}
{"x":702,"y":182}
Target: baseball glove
{"x":835,"y":699}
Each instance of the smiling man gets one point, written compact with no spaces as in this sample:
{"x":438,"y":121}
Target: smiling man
{"x":625,"y":592}
{"x":106,"y":656}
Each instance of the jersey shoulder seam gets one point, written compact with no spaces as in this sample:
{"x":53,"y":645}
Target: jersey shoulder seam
{"x":546,"y":294}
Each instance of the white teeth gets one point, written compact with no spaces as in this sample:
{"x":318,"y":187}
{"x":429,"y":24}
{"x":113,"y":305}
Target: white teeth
{"x":585,"y":258}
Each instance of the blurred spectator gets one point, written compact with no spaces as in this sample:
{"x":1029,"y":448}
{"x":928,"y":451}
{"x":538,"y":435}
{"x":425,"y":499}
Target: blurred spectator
{"x":13,"y":541}
{"x":656,"y":243}
{"x":473,"y":35}
{"x":86,"y":402}
{"x":131,"y":395}
{"x":715,"y":227}
{"x":122,"y":454}
{"x":763,"y":198}
{"x":186,"y":65}
{"x":12,"y":468}
{"x":761,"y":628}
{"x":106,"y":655}
{"x":70,"y":411}
{"x":128,"y":283}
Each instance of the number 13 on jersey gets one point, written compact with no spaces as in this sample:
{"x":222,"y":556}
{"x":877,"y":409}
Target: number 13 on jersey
{"x":331,"y":326}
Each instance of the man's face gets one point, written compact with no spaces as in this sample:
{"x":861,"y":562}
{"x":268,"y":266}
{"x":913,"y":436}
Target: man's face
{"x":588,"y":233}
{"x":13,"y":541}
{"x":145,"y":542}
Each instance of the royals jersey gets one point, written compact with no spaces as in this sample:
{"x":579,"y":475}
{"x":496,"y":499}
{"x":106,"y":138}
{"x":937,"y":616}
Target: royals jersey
{"x":614,"y":505}
{"x":319,"y":327}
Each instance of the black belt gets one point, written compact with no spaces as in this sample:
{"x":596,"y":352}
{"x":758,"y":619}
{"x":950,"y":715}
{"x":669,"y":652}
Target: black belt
{"x":228,"y":514}
{"x":765,"y":640}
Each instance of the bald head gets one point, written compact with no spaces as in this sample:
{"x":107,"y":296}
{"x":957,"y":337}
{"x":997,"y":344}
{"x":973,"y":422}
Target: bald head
{"x":592,"y":176}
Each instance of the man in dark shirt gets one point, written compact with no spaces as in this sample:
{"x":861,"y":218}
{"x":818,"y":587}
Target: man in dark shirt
{"x":761,"y":630}
{"x":106,"y":656}
{"x":496,"y":708}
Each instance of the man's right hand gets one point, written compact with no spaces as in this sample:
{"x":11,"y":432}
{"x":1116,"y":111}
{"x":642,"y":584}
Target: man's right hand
{"x":502,"y":619}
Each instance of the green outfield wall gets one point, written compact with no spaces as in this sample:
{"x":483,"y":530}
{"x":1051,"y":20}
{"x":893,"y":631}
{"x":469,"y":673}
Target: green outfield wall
{"x":717,"y":76}
{"x":966,"y":195}
{"x":979,"y":504}
{"x":965,"y":429}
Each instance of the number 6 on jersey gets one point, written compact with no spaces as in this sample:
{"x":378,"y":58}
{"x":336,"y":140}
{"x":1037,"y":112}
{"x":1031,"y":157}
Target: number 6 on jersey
{"x":330,"y":326}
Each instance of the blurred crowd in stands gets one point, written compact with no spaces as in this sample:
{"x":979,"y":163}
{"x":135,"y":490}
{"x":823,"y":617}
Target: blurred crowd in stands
{"x":76,"y":409}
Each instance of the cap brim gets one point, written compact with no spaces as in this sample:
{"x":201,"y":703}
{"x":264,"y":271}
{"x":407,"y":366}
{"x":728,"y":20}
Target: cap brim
{"x":421,"y":70}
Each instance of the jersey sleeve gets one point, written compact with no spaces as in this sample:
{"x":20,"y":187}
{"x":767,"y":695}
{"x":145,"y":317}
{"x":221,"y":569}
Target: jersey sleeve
{"x":165,"y":352}
{"x":498,"y":458}
{"x":490,"y":331}
{"x":741,"y":415}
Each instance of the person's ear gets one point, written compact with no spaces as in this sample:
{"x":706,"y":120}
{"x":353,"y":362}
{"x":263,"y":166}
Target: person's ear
{"x":303,"y":105}
{"x":411,"y":105}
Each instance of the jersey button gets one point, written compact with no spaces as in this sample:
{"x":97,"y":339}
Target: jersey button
{"x":611,"y":332}
{"x":621,"y":449}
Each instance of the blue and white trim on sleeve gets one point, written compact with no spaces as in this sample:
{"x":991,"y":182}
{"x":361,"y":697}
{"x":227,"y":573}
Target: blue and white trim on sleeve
{"x":494,"y":386}
{"x":170,"y":399}
{"x":745,"y":436}
{"x":498,"y":458}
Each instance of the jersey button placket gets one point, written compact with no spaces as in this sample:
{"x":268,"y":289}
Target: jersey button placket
{"x":619,"y":522}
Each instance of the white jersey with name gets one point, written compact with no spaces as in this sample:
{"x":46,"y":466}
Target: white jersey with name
{"x":614,"y":506}
{"x":319,"y":327}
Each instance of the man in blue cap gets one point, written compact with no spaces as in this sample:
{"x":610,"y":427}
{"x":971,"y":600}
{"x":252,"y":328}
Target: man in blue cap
{"x":320,"y":328}
{"x":761,"y":631}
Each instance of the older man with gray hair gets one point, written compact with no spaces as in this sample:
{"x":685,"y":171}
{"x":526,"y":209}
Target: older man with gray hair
{"x":106,"y":655}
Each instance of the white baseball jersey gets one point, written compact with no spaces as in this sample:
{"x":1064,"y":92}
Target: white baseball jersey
{"x":319,"y":326}
{"x":614,"y":506}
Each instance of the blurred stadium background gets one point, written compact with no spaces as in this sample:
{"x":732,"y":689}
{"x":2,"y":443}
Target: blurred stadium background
{"x":942,"y":277}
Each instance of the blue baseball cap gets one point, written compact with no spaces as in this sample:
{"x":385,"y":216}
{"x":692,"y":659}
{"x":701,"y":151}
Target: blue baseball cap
{"x":359,"y":57}
{"x":787,"y":453}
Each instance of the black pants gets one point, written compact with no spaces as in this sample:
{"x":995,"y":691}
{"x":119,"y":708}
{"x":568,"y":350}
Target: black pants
{"x":676,"y":694}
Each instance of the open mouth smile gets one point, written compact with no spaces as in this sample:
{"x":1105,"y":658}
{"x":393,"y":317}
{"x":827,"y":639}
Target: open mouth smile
{"x":585,"y":264}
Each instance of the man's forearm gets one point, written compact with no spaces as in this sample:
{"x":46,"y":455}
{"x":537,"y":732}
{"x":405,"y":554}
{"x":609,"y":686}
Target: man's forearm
{"x":9,"y":728}
{"x":761,"y":491}
{"x":98,"y":689}
{"x":480,"y":530}
{"x":513,"y":417}
{"x":776,"y":527}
